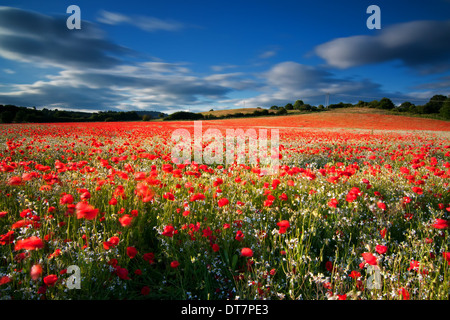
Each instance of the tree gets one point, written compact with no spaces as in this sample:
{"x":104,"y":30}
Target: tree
{"x":373,"y":104}
{"x":405,"y":106}
{"x":274,"y":108}
{"x":386,"y":103}
{"x":7,"y":116}
{"x":361,"y":104}
{"x":289,"y":106}
{"x":445,"y":110}
{"x":282,"y":111}
{"x":298,"y":104}
{"x":435,"y":104}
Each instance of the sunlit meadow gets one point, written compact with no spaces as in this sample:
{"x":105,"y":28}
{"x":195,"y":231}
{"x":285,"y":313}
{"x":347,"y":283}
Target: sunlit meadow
{"x":351,"y":214}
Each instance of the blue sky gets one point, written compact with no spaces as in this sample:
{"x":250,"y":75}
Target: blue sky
{"x":198,"y":55}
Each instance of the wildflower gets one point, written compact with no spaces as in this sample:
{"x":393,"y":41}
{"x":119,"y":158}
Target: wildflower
{"x":440,"y":224}
{"x":145,"y":290}
{"x":404,"y":293}
{"x":32,"y":243}
{"x":174,"y":264}
{"x":417,"y":190}
{"x":4,"y":280}
{"x":125,"y":220}
{"x":149,"y":257}
{"x":131,"y":252}
{"x":36,"y":272}
{"x":50,"y":280}
{"x":169,"y":196}
{"x":112,"y":242}
{"x":85,"y":210}
{"x":284,"y":225}
{"x":15,"y":181}
{"x":168,"y":231}
{"x":215,"y":247}
{"x":446,"y":257}
{"x":7,"y":238}
{"x":122,"y":273}
{"x":381,"y":249}
{"x":354,"y":274}
{"x":223,"y":202}
{"x":381,"y":205}
{"x":239,"y":235}
{"x":333,"y":203}
{"x":369,"y":258}
{"x":329,"y":266}
{"x":246,"y":252}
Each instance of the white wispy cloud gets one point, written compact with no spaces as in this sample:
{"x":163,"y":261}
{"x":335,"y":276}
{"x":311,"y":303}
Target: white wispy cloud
{"x":145,"y":23}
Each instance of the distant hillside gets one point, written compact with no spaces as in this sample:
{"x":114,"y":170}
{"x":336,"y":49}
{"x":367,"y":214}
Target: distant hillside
{"x":228,"y":112}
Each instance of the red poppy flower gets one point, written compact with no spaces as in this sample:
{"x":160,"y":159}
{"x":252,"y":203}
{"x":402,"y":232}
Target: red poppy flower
{"x":354,"y":274}
{"x":369,"y":258}
{"x":50,"y":280}
{"x":381,"y":249}
{"x":329,"y":266}
{"x":246,"y":252}
{"x":66,"y":199}
{"x":85,"y":210}
{"x":168,"y":231}
{"x":36,"y":271}
{"x":149,"y":257}
{"x":446,"y":257}
{"x":125,"y":220}
{"x":440,"y":224}
{"x":4,"y":280}
{"x":32,"y":243}
{"x":7,"y":238}
{"x":122,"y":273}
{"x":284,"y":225}
{"x":414,"y":265}
{"x":145,"y":290}
{"x":169,"y":196}
{"x":404,"y":293}
{"x":333,"y":203}
{"x":381,"y":205}
{"x":15,"y":181}
{"x":283,"y":197}
{"x":112,"y":242}
{"x":417,"y":190}
{"x":223,"y":202}
{"x":131,"y":252}
{"x":174,"y":264}
{"x":239,"y":235}
{"x":197,"y":196}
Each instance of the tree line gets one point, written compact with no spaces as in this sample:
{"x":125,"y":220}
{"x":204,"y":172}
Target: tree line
{"x":437,"y":105}
{"x":16,"y":114}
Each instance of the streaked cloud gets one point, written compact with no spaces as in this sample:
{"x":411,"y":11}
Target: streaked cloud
{"x":28,"y":36}
{"x":421,"y":45}
{"x":150,"y":24}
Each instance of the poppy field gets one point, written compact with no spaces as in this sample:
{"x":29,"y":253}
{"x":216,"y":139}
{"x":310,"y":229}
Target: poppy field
{"x":352,"y":214}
